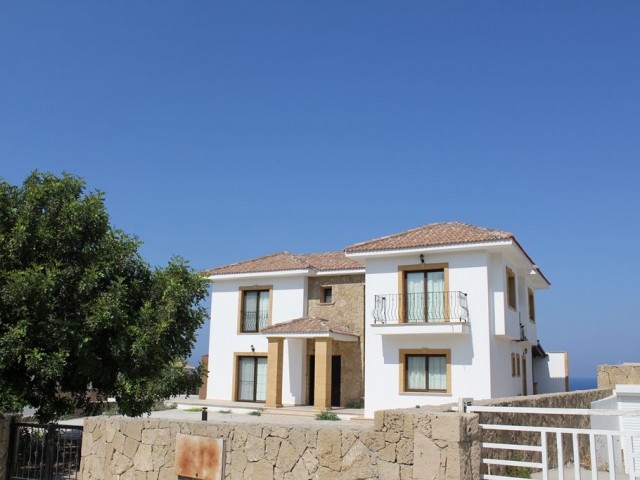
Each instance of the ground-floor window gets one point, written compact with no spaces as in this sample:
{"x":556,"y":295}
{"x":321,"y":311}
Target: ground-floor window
{"x":425,"y":371}
{"x":252,"y":379}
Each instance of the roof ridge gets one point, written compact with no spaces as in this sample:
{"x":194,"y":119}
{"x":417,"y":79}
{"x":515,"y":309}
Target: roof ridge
{"x":405,"y":232}
{"x":436,"y":228}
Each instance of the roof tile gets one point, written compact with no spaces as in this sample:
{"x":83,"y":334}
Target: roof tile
{"x":308,"y":325}
{"x":282,"y":261}
{"x":433,"y":234}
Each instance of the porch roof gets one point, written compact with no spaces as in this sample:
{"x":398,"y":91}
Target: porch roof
{"x":310,"y":327}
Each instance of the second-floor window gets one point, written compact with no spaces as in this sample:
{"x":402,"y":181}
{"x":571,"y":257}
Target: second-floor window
{"x":425,"y":294}
{"x":255,"y":310}
{"x":532,"y":306}
{"x":511,"y":289}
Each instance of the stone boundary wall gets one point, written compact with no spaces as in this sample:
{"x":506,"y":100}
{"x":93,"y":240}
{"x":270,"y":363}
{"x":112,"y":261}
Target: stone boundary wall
{"x":402,"y":444}
{"x":406,"y":444}
{"x":625,"y":374}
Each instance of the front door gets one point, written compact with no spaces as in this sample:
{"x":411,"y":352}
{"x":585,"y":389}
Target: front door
{"x":336,"y":365}
{"x":312,"y":378}
{"x":336,"y":378}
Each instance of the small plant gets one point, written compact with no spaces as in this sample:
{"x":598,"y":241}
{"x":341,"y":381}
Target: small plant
{"x":326,"y":415}
{"x":193,"y":409}
{"x":256,"y":413}
{"x":518,"y":471}
{"x":224,"y":411}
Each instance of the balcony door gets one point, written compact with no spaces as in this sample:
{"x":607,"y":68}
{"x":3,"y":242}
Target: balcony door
{"x":425,"y":300}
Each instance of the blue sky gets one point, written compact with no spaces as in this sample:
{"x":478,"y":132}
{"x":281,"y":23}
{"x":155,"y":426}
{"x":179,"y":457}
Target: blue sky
{"x":221,"y":131}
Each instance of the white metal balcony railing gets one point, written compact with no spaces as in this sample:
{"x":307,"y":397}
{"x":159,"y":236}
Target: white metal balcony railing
{"x":254,"y":321}
{"x":431,"y":307}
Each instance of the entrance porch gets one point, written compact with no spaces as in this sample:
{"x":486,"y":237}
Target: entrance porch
{"x":308,"y":378}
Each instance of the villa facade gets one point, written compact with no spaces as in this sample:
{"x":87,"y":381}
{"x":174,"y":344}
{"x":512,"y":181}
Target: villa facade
{"x":426,"y":316}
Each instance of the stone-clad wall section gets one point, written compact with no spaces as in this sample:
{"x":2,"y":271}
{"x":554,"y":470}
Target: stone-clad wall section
{"x":611,"y":375}
{"x":115,"y":447}
{"x":347,"y":308}
{"x":404,"y":444}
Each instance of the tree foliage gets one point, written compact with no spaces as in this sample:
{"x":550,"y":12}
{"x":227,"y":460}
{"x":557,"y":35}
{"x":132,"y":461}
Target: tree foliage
{"x":79,"y":306}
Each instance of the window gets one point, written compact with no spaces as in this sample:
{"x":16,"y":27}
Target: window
{"x":255,"y":310}
{"x":252,"y":379}
{"x":425,"y":371}
{"x":513,"y":364}
{"x":532,"y":306}
{"x":518,"y":373}
{"x":425,"y":296}
{"x":511,"y":288}
{"x":327,"y":295}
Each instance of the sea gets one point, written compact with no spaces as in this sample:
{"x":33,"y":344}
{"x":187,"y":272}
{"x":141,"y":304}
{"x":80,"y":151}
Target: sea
{"x":582,"y":383}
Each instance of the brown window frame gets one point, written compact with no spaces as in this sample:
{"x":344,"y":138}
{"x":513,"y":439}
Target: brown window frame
{"x":512,"y":292}
{"x":532,"y":305}
{"x":404,"y":365}
{"x":243,"y":291}
{"x":403,"y":270}
{"x":323,"y":294}
{"x":236,"y":375}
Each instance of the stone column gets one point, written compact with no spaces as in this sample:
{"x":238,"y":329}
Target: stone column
{"x":322,"y":389}
{"x":274,"y":372}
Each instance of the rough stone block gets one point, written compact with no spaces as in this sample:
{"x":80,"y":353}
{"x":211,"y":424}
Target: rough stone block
{"x":287,"y":457}
{"x":388,"y":471}
{"x":254,"y":448}
{"x":329,"y":448}
{"x":259,"y":470}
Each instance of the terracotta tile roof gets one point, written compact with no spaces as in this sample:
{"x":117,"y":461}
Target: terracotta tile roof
{"x":281,"y":261}
{"x":433,"y":234}
{"x":331,"y":261}
{"x":308,"y":325}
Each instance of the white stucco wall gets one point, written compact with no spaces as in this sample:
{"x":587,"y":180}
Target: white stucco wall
{"x":288,"y":303}
{"x":551,"y":372}
{"x":470,"y":359}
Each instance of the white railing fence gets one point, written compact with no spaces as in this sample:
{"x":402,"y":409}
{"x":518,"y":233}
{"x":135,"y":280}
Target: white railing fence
{"x":557,"y":443}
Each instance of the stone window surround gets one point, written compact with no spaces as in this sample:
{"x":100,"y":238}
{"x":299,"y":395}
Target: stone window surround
{"x":511,"y":290}
{"x":422,"y":351}
{"x":241,"y":293}
{"x":323,"y":295}
{"x":236,"y":360}
{"x":421,"y":267}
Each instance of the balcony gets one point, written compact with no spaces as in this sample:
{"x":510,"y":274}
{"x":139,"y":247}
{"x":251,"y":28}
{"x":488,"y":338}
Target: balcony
{"x":415,"y":313}
{"x":254,"y":321}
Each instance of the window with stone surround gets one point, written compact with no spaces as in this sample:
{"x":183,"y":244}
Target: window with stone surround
{"x":425,"y":371}
{"x":532,"y":306}
{"x":255,"y":305}
{"x":511,"y":289}
{"x":326,"y":295}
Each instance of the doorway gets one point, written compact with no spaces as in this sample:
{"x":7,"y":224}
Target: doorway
{"x":336,"y":379}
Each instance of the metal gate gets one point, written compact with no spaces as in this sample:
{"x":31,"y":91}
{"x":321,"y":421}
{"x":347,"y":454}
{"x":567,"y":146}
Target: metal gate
{"x":44,"y":452}
{"x":546,"y":449}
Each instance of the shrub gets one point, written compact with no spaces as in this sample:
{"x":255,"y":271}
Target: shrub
{"x":326,"y":415}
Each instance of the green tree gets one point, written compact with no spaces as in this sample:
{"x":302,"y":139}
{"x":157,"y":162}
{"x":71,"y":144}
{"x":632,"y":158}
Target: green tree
{"x":79,"y":306}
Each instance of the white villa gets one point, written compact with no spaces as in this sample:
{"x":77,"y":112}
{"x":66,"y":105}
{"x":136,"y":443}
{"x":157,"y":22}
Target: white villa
{"x":426,"y":316}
